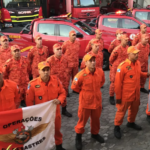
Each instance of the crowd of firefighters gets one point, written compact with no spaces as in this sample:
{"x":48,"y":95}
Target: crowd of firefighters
{"x":51,"y":77}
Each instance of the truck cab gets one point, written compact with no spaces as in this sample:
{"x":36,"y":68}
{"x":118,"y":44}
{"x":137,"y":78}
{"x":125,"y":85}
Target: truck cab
{"x":143,"y":14}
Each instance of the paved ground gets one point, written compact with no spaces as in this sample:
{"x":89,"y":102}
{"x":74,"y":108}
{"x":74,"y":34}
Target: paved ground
{"x":131,"y":140}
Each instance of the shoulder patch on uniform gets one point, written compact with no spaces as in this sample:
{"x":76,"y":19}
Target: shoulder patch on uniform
{"x":29,"y":85}
{"x":37,"y":86}
{"x":76,"y":79}
{"x":118,"y":70}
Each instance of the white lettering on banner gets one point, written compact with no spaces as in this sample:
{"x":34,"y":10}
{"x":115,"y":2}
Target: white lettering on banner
{"x":24,"y":12}
{"x":87,"y":10}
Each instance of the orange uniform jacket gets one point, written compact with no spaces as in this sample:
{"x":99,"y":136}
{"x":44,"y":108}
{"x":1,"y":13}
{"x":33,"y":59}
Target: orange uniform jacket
{"x":99,"y":60}
{"x":89,"y":46}
{"x":9,"y":96}
{"x":137,"y":39}
{"x":17,"y":71}
{"x":114,"y":44}
{"x":127,"y":81}
{"x":71,"y":51}
{"x":118,"y":55}
{"x":5,"y":54}
{"x":40,"y":92}
{"x":88,"y":85}
{"x":60,"y":69}
{"x":143,"y":55}
{"x":36,"y":56}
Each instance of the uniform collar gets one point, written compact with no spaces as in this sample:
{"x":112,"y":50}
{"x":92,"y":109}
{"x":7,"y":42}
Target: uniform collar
{"x":56,"y":59}
{"x":88,"y":71}
{"x":130,"y":62}
{"x":72,"y":42}
{"x":8,"y":49}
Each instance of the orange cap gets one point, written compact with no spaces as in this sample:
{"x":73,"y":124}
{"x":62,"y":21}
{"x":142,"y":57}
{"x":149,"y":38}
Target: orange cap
{"x":14,"y":47}
{"x":1,"y":70}
{"x":37,"y":37}
{"x":57,"y":45}
{"x":88,"y":57}
{"x":119,"y":31}
{"x":42,"y":65}
{"x":72,"y":32}
{"x":143,"y":26}
{"x":95,"y":42}
{"x":132,"y":49}
{"x":98,"y":31}
{"x":145,"y":36}
{"x":124,"y":36}
{"x":4,"y":37}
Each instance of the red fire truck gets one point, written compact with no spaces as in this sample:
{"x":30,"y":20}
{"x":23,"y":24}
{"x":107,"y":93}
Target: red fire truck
{"x":21,"y":12}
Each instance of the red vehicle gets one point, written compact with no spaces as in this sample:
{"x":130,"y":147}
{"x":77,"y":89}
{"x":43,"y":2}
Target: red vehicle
{"x":21,"y":12}
{"x":56,"y":30}
{"x":24,"y":45}
{"x":116,"y":6}
{"x":143,"y":14}
{"x":81,"y":9}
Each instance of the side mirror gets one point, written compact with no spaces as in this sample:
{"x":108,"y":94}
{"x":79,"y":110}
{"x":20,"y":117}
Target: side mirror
{"x":91,"y":24}
{"x":79,"y":35}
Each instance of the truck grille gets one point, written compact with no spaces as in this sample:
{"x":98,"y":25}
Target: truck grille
{"x":87,"y":15}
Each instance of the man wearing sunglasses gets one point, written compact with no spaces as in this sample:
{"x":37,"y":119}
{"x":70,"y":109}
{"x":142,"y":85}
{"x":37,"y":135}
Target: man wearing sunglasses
{"x":71,"y":50}
{"x":59,"y":66}
{"x":17,"y":69}
{"x":5,"y":52}
{"x":37,"y":54}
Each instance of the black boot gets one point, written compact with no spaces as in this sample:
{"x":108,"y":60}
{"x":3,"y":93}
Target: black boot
{"x":117,"y":132}
{"x":59,"y":147}
{"x":23,"y":104}
{"x":78,"y":142}
{"x":148,"y":119}
{"x":98,"y":138}
{"x":112,"y":100}
{"x":134,"y":126}
{"x":144,"y":90}
{"x":65,"y":112}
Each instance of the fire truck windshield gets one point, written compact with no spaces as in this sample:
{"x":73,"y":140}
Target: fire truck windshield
{"x":21,"y":3}
{"x":86,"y":3}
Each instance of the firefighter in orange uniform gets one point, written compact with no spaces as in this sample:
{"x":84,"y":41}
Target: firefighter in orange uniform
{"x":59,"y":66}
{"x":88,"y":83}
{"x":138,"y":37}
{"x":98,"y":34}
{"x":127,"y":90}
{"x":118,"y":55}
{"x":143,"y":46}
{"x":116,"y":42}
{"x":18,"y":69}
{"x":37,"y":54}
{"x":94,"y":52}
{"x":71,"y":50}
{"x":5,"y":52}
{"x":9,"y":94}
{"x":45,"y":88}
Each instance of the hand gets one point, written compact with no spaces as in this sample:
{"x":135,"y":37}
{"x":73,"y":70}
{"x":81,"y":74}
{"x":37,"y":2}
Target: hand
{"x":56,"y":101}
{"x":118,"y":101}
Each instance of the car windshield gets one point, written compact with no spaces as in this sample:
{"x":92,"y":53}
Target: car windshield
{"x":86,"y":3}
{"x":84,"y":27}
{"x":21,"y":3}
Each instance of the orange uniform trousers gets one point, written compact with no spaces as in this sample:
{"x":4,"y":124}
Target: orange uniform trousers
{"x":132,"y":106}
{"x":83,"y":115}
{"x":73,"y":71}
